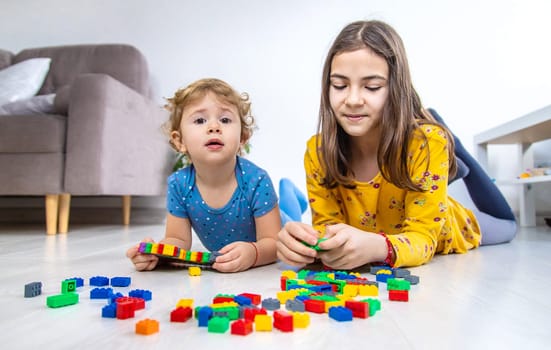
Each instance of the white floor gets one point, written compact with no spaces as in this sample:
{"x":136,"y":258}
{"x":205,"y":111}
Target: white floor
{"x":493,"y":297}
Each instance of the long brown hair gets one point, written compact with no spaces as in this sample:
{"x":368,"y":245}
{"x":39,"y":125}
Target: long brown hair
{"x":401,"y":116}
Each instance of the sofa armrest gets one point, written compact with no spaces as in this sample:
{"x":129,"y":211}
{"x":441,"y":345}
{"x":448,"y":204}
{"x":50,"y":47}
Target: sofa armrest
{"x":115,"y":144}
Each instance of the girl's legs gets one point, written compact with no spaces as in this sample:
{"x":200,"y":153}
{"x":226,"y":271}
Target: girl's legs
{"x":292,"y":202}
{"x":486,"y":196}
{"x":494,"y":230}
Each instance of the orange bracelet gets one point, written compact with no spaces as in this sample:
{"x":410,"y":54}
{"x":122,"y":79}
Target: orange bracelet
{"x":256,"y":254}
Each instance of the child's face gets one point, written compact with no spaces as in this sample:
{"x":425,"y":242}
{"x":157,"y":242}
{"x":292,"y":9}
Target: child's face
{"x":210,"y":131}
{"x":358,"y":91}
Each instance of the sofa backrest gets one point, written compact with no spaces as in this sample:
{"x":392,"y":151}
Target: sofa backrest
{"x":123,"y":62}
{"x":5,"y":58}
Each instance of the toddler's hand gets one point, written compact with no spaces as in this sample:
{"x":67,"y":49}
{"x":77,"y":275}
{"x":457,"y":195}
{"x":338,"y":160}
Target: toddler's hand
{"x":142,"y":262}
{"x":235,"y":257}
{"x":290,"y":247}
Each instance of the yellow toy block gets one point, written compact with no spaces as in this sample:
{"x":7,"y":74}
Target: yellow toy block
{"x":301,"y":319}
{"x":368,"y":290}
{"x":263,"y":323}
{"x":194,"y":271}
{"x":350,"y":290}
{"x":154,"y":248}
{"x":182,"y":254}
{"x":168,"y":250}
{"x":285,"y":295}
{"x":384,"y":272}
{"x":193,"y":256}
{"x":185,"y":303}
{"x":290,"y":274}
{"x":224,"y":305}
{"x":329,"y":304}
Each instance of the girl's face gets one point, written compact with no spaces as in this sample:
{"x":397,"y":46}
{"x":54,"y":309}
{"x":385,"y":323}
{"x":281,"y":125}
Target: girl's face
{"x":210,"y":131}
{"x":358,"y":91}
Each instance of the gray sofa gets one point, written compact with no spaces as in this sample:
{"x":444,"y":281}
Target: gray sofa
{"x":103,"y":138}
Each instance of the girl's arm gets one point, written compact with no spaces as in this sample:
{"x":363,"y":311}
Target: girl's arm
{"x":425,"y":212}
{"x":267,"y":227}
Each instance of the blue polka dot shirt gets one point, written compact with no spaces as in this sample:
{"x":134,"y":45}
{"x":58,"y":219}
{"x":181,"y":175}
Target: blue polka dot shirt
{"x":254,"y":197}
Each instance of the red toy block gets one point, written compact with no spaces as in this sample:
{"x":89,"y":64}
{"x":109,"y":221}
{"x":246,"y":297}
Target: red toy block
{"x":283,"y":321}
{"x":242,"y":327}
{"x":255,"y":298}
{"x":317,"y":306}
{"x":181,"y":314}
{"x":250,"y":313}
{"x":222,"y":299}
{"x":398,"y":295}
{"x":139,"y":303}
{"x":359,"y":309}
{"x":160,"y":248}
{"x":283,"y":282}
{"x":125,"y":309}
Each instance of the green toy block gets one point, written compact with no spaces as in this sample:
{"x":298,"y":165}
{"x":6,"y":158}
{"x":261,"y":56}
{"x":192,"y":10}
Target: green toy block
{"x":60,"y":300}
{"x":218,"y":325}
{"x":397,"y":284}
{"x":374,"y":305}
{"x":68,"y":286}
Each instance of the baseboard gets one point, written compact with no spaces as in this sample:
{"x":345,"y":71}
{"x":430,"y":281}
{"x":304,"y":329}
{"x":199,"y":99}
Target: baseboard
{"x":106,"y":216}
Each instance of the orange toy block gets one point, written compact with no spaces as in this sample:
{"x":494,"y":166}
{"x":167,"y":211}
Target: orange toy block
{"x":147,"y":326}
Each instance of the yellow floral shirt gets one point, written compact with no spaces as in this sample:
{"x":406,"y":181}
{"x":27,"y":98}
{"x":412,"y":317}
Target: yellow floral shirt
{"x":418,"y":224}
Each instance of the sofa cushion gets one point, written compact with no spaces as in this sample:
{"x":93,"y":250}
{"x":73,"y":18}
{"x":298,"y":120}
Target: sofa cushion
{"x":61,"y":101}
{"x":32,"y":133}
{"x":41,"y":104}
{"x":23,"y":80}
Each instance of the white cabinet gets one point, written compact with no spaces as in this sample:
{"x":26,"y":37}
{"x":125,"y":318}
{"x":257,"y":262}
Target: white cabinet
{"x":523,"y":131}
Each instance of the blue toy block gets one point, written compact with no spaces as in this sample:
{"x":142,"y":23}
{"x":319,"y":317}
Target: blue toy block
{"x":242,"y":300}
{"x":99,"y":281}
{"x":79,"y":281}
{"x":113,"y":297}
{"x":33,"y":289}
{"x":204,"y":314}
{"x":140,"y":293}
{"x":109,"y":311}
{"x":340,"y":313}
{"x":101,"y":293}
{"x":120,"y":281}
{"x":382,"y":277}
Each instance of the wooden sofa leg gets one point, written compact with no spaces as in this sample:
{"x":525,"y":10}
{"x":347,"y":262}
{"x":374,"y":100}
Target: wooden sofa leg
{"x":64,"y":209}
{"x":126,"y":202}
{"x":52,"y":205}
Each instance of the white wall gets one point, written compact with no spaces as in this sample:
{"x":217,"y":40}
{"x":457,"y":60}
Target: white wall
{"x":478,"y":63}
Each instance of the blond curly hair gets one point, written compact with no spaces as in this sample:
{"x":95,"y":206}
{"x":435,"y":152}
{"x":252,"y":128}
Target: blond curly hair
{"x":185,"y":96}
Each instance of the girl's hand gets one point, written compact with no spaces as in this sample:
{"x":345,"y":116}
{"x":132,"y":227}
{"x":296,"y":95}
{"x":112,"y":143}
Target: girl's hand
{"x":347,"y":247}
{"x":142,"y":262}
{"x":235,"y":257}
{"x":290,"y":247}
